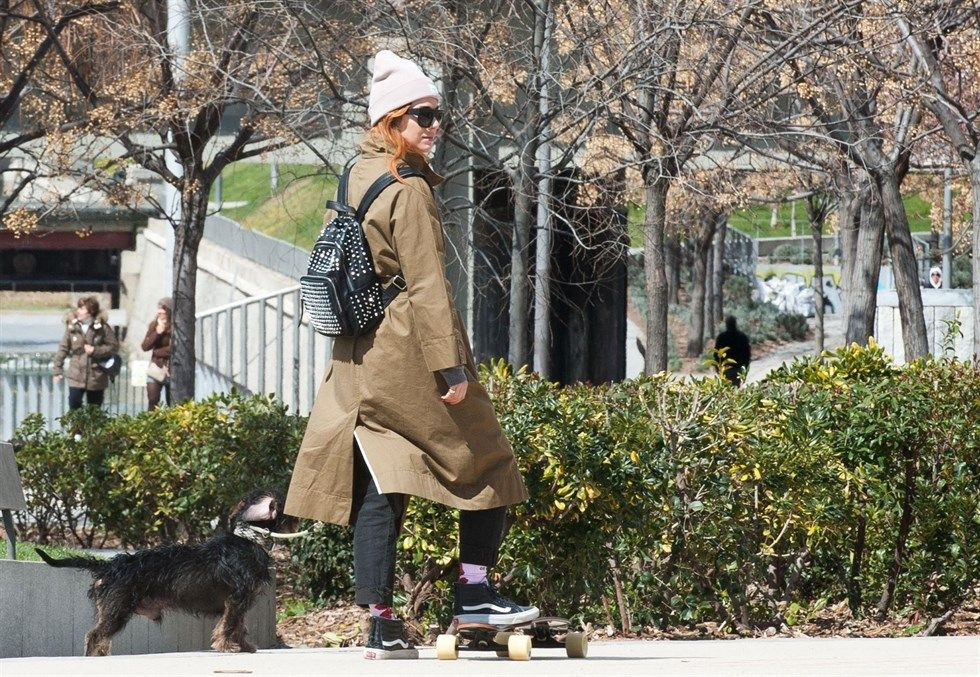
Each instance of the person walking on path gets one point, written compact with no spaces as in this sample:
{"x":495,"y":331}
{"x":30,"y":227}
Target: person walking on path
{"x":88,"y":339}
{"x":733,"y":352}
{"x":380,"y":434}
{"x":157,"y":340}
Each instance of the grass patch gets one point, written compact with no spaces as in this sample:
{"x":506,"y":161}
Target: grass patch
{"x":293,"y":214}
{"x":27,"y":551}
{"x":755,"y":220}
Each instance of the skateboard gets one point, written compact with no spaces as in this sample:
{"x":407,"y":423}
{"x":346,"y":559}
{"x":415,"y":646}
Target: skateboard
{"x":512,"y":641}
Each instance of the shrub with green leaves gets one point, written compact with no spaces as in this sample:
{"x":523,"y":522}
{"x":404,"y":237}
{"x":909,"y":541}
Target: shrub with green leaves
{"x":656,"y":501}
{"x":158,"y":476}
{"x":653,"y":501}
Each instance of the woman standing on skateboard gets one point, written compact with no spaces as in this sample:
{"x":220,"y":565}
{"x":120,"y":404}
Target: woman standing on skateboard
{"x":401,"y":412}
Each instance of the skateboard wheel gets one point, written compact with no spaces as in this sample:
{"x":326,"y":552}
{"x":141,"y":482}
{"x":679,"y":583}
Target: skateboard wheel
{"x":447,"y":647}
{"x":502,"y":638}
{"x":519,"y":647}
{"x":576,"y":645}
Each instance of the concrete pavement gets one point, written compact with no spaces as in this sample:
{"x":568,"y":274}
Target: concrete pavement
{"x":777,"y":656}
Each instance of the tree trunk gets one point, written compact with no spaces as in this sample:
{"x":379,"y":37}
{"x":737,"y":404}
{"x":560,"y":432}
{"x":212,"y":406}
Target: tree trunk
{"x":905,"y":268}
{"x":848,"y":222}
{"x":543,"y":238}
{"x":854,"y":593}
{"x":187,"y":239}
{"x":701,"y":244}
{"x":817,"y":229}
{"x":975,"y":188}
{"x":655,"y":277}
{"x":862,"y":288}
{"x":523,"y":178}
{"x":672,"y":264}
{"x":904,"y":526}
{"x":718,"y":282}
{"x":709,"y":292}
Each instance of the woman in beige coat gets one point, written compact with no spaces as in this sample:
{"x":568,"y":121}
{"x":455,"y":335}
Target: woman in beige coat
{"x":88,"y":340}
{"x":401,"y":412}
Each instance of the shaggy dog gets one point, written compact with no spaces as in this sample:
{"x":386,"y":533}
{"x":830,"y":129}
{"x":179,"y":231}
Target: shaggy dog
{"x":219,"y":576}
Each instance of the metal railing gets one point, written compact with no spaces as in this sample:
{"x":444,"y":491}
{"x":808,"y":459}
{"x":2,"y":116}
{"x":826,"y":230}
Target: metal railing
{"x":257,"y":346}
{"x":27,"y":387}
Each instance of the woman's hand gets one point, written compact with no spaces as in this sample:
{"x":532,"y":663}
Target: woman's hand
{"x":89,"y":350}
{"x":58,"y":378}
{"x":456,"y":393}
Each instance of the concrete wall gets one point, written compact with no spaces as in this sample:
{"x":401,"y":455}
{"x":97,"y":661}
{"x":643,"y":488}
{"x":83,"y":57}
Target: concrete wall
{"x":223,"y":276}
{"x":768,"y":244}
{"x":46,"y":612}
{"x":940,"y":306}
{"x":255,"y":345}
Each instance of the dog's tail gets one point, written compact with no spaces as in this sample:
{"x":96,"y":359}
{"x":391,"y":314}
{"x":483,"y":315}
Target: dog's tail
{"x":90,"y":563}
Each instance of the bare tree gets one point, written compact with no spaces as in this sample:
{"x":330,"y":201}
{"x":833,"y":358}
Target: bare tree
{"x":683,"y":74}
{"x":850,"y":89}
{"x":942,"y":40}
{"x":34,"y":37}
{"x":513,"y":82}
{"x":262,"y":61}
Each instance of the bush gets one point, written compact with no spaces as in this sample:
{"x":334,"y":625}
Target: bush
{"x":763,"y":322}
{"x":792,"y":253}
{"x":652,"y":501}
{"x":655,"y":501}
{"x":158,"y":476}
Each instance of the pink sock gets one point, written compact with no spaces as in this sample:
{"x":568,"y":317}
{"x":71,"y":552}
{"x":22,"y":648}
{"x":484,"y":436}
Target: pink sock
{"x":472,"y":573}
{"x":381,"y":610}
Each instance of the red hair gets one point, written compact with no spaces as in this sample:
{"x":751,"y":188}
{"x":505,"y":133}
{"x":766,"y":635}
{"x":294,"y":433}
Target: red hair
{"x":386,"y":129}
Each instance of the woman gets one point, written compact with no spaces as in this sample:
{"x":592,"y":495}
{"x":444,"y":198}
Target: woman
{"x":401,"y":412}
{"x":157,"y":339}
{"x":88,"y":339}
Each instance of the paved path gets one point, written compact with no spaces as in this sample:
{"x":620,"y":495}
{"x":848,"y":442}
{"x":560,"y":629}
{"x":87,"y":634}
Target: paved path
{"x":786,"y":353}
{"x":913,"y":656}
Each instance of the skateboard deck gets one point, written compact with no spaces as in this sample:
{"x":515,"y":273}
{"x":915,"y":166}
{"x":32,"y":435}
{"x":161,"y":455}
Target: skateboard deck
{"x":514,"y":641}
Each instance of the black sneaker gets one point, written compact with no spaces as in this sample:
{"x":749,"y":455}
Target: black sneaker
{"x":481,"y":603}
{"x":387,"y":639}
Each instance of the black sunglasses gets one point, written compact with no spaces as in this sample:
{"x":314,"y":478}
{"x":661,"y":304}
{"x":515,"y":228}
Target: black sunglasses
{"x":426,"y":115}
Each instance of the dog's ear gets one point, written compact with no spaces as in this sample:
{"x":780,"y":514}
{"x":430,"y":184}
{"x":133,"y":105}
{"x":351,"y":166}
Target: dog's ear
{"x":237,"y":510}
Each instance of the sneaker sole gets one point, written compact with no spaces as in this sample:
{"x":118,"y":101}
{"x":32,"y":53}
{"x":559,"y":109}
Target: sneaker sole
{"x":500,"y":619}
{"x":395,"y":654}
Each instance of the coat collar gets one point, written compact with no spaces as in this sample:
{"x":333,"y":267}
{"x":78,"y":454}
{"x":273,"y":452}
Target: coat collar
{"x":96,"y":323}
{"x":374,"y":147}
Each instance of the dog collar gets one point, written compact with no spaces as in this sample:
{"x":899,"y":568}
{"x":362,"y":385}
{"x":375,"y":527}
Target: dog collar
{"x":259,"y":535}
{"x":250,"y":533}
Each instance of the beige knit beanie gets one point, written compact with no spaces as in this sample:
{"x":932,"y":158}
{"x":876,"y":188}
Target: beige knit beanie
{"x":395,"y":83}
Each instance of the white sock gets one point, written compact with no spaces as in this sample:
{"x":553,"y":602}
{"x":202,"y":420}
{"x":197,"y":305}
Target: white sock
{"x":472,"y":573}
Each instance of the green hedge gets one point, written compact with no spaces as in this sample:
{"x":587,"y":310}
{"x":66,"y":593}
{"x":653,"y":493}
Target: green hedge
{"x":168,"y":474}
{"x":659,"y":502}
{"x":653,"y":501}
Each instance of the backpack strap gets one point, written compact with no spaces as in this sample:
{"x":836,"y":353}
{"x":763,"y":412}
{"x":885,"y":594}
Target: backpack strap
{"x":377,"y":188}
{"x":340,"y":204}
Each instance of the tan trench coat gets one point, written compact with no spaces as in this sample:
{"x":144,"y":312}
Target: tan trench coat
{"x":383,"y":388}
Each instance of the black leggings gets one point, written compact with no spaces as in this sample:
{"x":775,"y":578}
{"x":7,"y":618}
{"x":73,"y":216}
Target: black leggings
{"x":377,"y":520}
{"x":153,"y":390}
{"x":94,"y":397}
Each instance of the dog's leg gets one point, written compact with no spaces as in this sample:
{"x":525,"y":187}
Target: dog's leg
{"x":230,"y":632}
{"x":110,"y":619}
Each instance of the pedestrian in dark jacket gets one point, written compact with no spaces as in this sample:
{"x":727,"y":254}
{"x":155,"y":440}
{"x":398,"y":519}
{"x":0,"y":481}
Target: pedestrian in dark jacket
{"x":88,"y":340}
{"x":157,"y":340}
{"x":733,"y":352}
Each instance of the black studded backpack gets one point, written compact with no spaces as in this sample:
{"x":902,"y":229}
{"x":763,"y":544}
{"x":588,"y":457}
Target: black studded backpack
{"x":340,"y":290}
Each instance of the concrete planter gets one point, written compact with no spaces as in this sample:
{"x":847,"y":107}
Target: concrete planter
{"x":46,"y":612}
